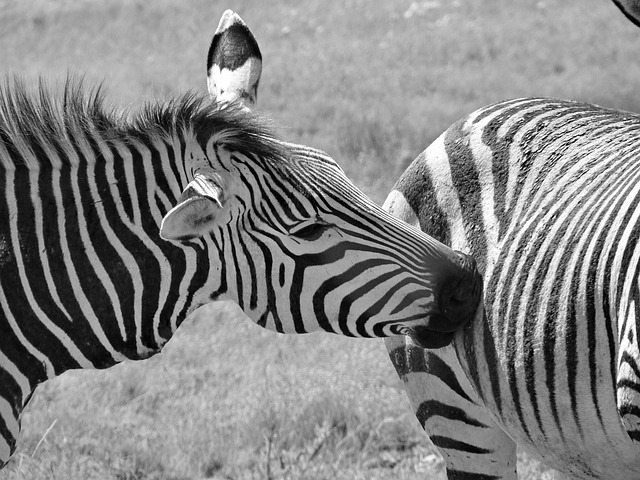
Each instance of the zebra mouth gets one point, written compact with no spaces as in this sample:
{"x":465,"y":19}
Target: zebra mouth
{"x":459,"y":299}
{"x":427,"y":338}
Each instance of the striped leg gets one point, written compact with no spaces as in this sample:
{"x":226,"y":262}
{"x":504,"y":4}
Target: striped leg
{"x":472,"y":445}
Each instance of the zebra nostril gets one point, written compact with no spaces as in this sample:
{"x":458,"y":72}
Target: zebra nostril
{"x":460,"y":298}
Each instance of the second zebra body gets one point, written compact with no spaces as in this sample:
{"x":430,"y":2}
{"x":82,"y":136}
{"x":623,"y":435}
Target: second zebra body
{"x":546,"y":195}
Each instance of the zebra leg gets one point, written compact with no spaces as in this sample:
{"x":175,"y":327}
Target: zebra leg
{"x":447,"y":407}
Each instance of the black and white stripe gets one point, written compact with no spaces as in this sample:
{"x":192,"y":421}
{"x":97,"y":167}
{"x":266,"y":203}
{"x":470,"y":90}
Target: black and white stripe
{"x":545,"y":194}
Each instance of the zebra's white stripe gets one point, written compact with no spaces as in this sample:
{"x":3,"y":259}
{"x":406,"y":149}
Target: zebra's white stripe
{"x":58,"y":332}
{"x":23,"y":275}
{"x":401,"y":208}
{"x":43,"y":359}
{"x":128,"y":259}
{"x":6,"y":413}
{"x":514,"y":154}
{"x":525,"y":203}
{"x":515,"y":160}
{"x":56,"y":164}
{"x":564,"y":212}
{"x":37,"y":354}
{"x":163,"y":263}
{"x":189,"y":254}
{"x":76,"y":285}
{"x":617,"y":266}
{"x":90,"y":251}
{"x":611,"y":419}
{"x":629,"y":281}
{"x":16,"y":374}
{"x":446,"y":193}
{"x":487,"y":195}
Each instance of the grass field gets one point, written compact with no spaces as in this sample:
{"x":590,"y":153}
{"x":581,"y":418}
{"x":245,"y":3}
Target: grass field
{"x":370,"y":82}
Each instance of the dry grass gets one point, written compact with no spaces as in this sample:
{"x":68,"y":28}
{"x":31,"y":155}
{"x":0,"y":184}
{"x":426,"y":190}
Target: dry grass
{"x":371,"y":85}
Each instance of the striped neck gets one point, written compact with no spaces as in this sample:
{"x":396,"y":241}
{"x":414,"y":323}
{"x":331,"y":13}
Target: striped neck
{"x":86,"y":280}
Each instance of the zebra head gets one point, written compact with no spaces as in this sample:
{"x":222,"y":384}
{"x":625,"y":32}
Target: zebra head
{"x":295,"y":243}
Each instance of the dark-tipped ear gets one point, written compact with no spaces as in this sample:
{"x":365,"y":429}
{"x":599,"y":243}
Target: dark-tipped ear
{"x":196,"y":213}
{"x":234,"y":62}
{"x":631,"y":9}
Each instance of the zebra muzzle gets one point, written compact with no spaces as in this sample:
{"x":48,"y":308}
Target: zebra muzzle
{"x":427,"y":338}
{"x":459,"y":298}
{"x":458,"y":302}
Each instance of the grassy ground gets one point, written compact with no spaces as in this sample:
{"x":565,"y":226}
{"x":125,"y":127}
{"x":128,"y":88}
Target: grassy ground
{"x":371,"y":83}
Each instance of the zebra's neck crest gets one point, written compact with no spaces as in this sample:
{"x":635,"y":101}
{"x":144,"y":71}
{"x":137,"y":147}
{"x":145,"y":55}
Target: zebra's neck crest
{"x":50,"y":121}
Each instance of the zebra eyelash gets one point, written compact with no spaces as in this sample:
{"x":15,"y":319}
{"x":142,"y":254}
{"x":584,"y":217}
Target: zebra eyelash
{"x":311,"y":229}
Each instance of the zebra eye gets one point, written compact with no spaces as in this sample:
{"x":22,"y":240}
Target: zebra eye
{"x":310,"y":230}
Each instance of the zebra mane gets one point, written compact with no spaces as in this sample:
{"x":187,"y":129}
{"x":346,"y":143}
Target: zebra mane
{"x":46,"y":122}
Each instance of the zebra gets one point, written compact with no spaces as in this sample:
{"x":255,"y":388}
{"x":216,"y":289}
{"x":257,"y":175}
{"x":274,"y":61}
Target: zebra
{"x":545,"y":195}
{"x":114,"y":228}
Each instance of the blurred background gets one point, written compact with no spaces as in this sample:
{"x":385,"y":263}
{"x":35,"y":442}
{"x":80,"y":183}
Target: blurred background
{"x":372,"y":83}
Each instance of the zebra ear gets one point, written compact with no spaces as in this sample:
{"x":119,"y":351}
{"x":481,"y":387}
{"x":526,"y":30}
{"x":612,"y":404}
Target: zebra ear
{"x":234,"y":62}
{"x":631,"y":9}
{"x":196,"y":212}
